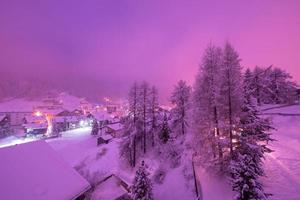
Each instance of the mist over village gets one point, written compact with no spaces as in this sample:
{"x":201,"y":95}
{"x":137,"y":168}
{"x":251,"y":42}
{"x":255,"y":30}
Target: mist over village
{"x":149,"y":100}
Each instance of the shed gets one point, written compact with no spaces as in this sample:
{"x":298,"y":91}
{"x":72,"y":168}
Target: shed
{"x":104,"y":139}
{"x":114,"y":129}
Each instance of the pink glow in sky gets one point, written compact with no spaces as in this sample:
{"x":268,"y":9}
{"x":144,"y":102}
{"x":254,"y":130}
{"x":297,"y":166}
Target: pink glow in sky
{"x":109,"y":44}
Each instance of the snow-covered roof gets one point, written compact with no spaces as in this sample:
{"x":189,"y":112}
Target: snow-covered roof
{"x":66,"y":119}
{"x":109,"y":189}
{"x":115,"y":126}
{"x":32,"y":118}
{"x":35,"y":171}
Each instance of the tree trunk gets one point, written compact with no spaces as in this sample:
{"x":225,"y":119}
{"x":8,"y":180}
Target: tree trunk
{"x":134,"y":151}
{"x":144,"y":121}
{"x":230,"y":113}
{"x":218,"y":132}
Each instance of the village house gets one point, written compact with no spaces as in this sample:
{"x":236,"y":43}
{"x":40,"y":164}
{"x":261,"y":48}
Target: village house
{"x":102,"y":117}
{"x":115,"y":129}
{"x":68,"y":120}
{"x":35,"y":171}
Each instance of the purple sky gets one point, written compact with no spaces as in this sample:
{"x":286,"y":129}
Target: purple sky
{"x":109,"y":44}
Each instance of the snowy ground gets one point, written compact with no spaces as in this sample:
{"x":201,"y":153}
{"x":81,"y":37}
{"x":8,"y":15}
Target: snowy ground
{"x":79,"y":149}
{"x":283,"y":165}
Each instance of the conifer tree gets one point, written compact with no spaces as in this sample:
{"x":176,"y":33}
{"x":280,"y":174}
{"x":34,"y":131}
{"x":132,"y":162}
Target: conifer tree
{"x":231,"y":91}
{"x":206,"y":105}
{"x":142,"y":186}
{"x":247,"y":163}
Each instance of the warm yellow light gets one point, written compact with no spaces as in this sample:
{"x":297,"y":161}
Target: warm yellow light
{"x":38,"y":113}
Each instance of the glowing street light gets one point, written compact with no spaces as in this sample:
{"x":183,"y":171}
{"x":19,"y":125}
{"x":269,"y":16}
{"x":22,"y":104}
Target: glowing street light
{"x":38,"y":113}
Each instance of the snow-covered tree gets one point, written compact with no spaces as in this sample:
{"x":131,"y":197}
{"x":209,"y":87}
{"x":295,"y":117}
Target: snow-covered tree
{"x":144,"y":103}
{"x":272,"y":86}
{"x":180,"y":99}
{"x":142,"y":186}
{"x":133,"y":102}
{"x":281,"y":88}
{"x":133,"y":137}
{"x":231,"y":91}
{"x":246,"y":166}
{"x":206,"y":104}
{"x":141,"y":111}
{"x":165,"y":130}
{"x":245,"y":176}
{"x":153,"y":112}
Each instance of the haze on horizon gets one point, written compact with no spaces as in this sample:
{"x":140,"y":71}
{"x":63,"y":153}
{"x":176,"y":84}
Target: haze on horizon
{"x":104,"y":46}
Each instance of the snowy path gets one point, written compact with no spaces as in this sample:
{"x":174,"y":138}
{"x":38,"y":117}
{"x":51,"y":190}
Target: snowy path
{"x":283,"y":165}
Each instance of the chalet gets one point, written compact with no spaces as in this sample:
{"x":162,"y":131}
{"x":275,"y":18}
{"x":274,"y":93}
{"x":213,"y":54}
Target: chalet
{"x":66,"y":120}
{"x":64,"y":113}
{"x":77,"y":112}
{"x":103,"y":118}
{"x":65,"y":123}
{"x":4,"y":125}
{"x":35,"y":171}
{"x":115,"y":129}
{"x":16,"y":117}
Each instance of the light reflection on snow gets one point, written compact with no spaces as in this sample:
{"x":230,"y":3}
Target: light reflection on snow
{"x":10,"y":141}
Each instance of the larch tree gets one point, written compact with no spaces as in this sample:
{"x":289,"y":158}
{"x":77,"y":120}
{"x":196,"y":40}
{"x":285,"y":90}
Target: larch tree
{"x":132,"y":130}
{"x":180,"y":99}
{"x":153,"y":112}
{"x":231,"y":91}
{"x":206,"y":103}
{"x":144,"y":103}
